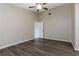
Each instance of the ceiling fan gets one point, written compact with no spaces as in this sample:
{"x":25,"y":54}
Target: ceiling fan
{"x":39,"y":6}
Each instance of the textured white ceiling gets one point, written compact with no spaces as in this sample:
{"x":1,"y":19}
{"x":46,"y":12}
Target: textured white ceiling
{"x":26,"y":5}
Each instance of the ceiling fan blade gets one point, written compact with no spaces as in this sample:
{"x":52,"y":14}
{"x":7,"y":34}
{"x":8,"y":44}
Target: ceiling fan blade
{"x":45,"y":8}
{"x":31,"y":6}
{"x":44,"y":3}
{"x":37,"y":10}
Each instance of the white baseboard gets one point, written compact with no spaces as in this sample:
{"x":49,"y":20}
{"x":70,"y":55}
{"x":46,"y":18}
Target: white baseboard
{"x":14,"y":44}
{"x":76,"y":49}
{"x":58,"y":40}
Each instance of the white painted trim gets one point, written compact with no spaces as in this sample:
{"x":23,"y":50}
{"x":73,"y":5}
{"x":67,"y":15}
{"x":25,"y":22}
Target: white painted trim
{"x":77,"y":49}
{"x":58,"y":40}
{"x":73,"y":46}
{"x":14,"y":44}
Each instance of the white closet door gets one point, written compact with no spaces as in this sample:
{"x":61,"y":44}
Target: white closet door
{"x":38,"y":30}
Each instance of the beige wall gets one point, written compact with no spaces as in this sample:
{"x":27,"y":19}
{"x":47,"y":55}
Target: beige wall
{"x":73,"y":25}
{"x":58,"y":26}
{"x":16,"y":25}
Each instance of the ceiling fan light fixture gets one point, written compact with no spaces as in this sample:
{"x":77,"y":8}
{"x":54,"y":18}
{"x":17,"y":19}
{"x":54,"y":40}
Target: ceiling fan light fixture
{"x":39,"y":6}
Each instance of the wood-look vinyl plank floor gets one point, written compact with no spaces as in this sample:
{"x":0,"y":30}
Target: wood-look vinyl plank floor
{"x":40,"y":47}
